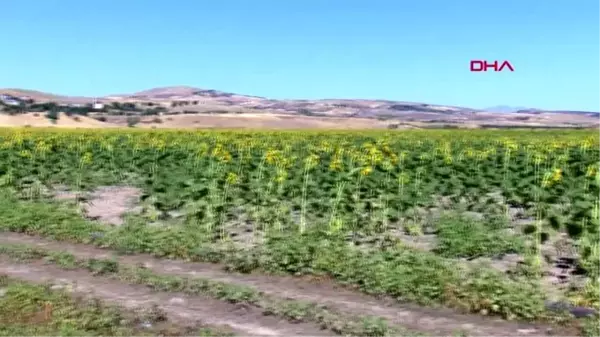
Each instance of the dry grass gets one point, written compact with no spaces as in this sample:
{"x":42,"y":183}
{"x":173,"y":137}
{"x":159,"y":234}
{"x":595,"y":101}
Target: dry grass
{"x":40,"y":120}
{"x":228,"y":121}
{"x":254,"y":121}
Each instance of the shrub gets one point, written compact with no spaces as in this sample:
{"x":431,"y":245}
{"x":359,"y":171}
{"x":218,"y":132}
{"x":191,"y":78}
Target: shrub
{"x":53,"y":115}
{"x":132,"y":121}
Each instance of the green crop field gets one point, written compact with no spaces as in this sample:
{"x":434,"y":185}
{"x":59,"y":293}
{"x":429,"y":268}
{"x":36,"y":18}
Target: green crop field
{"x":470,"y":219}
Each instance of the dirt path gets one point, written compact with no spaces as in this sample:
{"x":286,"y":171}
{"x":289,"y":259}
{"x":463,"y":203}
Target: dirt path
{"x":180,"y":308}
{"x":435,"y":321}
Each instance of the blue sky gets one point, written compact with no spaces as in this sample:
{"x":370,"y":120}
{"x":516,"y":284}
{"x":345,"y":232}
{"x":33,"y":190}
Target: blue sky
{"x":416,"y":50}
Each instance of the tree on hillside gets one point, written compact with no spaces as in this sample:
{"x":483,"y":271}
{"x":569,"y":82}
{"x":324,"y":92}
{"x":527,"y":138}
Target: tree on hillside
{"x":41,"y":107}
{"x":53,"y":115}
{"x":127,"y":106}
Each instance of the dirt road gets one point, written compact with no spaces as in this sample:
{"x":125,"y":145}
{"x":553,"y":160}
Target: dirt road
{"x":435,"y":321}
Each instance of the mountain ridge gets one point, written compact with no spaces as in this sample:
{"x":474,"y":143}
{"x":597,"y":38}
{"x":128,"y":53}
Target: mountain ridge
{"x":189,"y":99}
{"x":183,"y":91}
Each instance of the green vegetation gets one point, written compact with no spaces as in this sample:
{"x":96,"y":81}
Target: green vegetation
{"x":485,"y":239}
{"x":302,"y":202}
{"x":38,"y":310}
{"x":295,"y":311}
{"x":402,"y":273}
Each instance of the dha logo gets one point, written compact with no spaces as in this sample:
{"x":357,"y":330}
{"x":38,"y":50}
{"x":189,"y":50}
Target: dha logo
{"x":479,"y":65}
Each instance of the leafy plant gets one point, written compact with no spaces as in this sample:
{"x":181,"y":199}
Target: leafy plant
{"x":464,"y":237}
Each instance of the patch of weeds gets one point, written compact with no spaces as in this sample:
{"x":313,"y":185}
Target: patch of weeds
{"x":406,"y":275}
{"x":464,"y":237}
{"x":35,"y":310}
{"x":488,"y":292}
{"x":294,"y":311}
{"x":23,"y":253}
{"x":374,"y":327}
{"x":588,"y":297}
{"x":591,"y":327}
{"x":413,"y":228}
{"x":155,"y":314}
{"x":206,"y":332}
{"x":102,"y":266}
{"x":66,"y":261}
{"x":49,"y":219}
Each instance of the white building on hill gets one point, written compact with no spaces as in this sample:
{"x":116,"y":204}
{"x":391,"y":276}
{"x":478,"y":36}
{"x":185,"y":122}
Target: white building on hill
{"x":97,"y":105}
{"x":9,"y":100}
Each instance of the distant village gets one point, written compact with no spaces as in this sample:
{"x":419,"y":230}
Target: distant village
{"x":14,"y":101}
{"x":15,"y":105}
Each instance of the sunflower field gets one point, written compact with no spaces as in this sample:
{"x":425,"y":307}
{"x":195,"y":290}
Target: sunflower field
{"x":350,"y":184}
{"x":344,"y":180}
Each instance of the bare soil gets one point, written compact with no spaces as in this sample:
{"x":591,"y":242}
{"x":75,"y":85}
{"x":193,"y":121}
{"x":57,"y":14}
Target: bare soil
{"x":179,"y":308}
{"x":106,"y":204}
{"x":438,"y":321}
{"x":275,"y":121}
{"x":198,"y":121}
{"x":254,"y":121}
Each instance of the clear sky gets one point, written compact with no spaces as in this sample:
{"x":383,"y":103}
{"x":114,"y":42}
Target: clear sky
{"x":417,"y":50}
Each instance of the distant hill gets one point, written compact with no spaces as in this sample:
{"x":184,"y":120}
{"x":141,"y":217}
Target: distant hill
{"x":186,"y":99}
{"x":504,"y":109}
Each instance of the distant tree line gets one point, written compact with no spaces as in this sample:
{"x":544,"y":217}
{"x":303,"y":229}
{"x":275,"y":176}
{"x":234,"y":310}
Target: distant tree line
{"x":114,"y":108}
{"x":175,"y":104}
